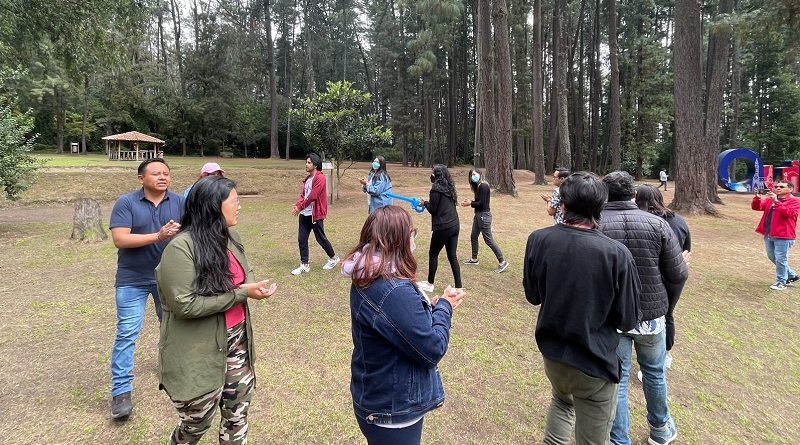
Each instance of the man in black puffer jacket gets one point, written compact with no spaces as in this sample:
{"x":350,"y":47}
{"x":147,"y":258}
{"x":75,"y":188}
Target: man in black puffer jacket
{"x":662,"y":269}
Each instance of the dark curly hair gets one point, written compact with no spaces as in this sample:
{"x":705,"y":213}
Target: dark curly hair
{"x":620,"y":186}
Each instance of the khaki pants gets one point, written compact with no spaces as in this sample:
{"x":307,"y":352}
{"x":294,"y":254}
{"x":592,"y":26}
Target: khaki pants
{"x":580,"y":400}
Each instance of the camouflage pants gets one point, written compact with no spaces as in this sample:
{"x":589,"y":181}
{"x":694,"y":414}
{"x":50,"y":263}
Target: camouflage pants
{"x":233,"y":400}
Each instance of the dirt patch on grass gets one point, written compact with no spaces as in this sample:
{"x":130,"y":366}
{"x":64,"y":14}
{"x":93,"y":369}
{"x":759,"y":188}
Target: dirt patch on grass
{"x":734,"y":379}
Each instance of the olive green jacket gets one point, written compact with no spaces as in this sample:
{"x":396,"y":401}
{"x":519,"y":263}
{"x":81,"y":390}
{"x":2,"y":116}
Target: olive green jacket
{"x":193,"y":344}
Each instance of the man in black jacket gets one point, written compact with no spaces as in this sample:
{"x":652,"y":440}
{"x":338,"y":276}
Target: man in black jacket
{"x":580,"y":320}
{"x":662,"y":272}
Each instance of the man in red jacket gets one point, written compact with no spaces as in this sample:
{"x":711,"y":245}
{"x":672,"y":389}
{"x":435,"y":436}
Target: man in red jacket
{"x":312,"y":206}
{"x":778,"y":224}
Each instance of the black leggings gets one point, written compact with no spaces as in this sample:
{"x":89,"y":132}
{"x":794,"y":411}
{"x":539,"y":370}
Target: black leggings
{"x":305,"y":227}
{"x":447,"y":238}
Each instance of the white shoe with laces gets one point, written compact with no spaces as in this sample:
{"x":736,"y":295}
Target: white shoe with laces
{"x":425,"y":286}
{"x":332,"y":262}
{"x":303,"y":268}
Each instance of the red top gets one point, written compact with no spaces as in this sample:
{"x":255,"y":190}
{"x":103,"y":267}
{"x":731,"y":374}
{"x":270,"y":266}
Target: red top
{"x":235,"y":315}
{"x":784,"y":216}
{"x":318,"y":195}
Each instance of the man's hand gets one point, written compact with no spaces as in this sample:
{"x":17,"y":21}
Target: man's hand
{"x":169,"y":230}
{"x":687,"y":256}
{"x":465,"y":203}
{"x":295,"y":210}
{"x":547,"y":198}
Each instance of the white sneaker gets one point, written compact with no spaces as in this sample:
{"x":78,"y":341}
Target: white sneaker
{"x":502,"y":266}
{"x":332,"y":262}
{"x":639,"y":374}
{"x":425,"y":286}
{"x":668,"y":361}
{"x":303,"y":268}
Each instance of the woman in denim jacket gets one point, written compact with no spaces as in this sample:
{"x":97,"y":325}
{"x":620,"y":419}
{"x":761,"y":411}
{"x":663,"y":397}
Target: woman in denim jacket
{"x":399,"y":335}
{"x":377,"y":185}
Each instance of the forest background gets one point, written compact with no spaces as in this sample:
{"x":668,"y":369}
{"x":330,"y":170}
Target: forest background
{"x":519,"y":84}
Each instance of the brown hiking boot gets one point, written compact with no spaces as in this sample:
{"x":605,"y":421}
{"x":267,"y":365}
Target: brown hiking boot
{"x":121,"y":406}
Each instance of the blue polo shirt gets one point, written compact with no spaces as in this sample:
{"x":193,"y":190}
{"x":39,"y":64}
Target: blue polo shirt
{"x":136,"y":267}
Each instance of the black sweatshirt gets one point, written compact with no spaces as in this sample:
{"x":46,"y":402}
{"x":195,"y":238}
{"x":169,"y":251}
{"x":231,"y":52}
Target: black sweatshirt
{"x":482,"y":197}
{"x":587,"y":286}
{"x":443,"y":211}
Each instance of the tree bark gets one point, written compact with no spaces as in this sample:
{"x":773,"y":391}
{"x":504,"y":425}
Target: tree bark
{"x":86,"y":222}
{"x":691,"y":191}
{"x":595,"y":93}
{"x":736,"y":92}
{"x":536,"y":96}
{"x":719,"y":42}
{"x":486,"y":100}
{"x":60,"y":119}
{"x":615,"y":119}
{"x":502,"y":152}
{"x":564,"y":152}
{"x":85,"y":116}
{"x":274,"y":152}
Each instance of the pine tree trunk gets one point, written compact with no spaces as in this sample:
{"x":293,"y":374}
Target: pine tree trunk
{"x":691,"y":192}
{"x":615,"y":119}
{"x":486,"y":100}
{"x":736,"y":92}
{"x":274,"y":151}
{"x":595,"y":93}
{"x":719,"y":42}
{"x":86,"y":222}
{"x":85,"y":116}
{"x":555,"y":57}
{"x":504,"y":181}
{"x":564,"y":152}
{"x":536,"y":95}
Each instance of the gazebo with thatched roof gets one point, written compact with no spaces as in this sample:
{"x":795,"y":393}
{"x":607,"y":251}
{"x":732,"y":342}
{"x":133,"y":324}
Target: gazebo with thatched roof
{"x":134,"y":138}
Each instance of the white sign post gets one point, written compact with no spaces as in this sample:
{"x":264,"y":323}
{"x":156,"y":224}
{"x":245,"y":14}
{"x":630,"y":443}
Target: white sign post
{"x":327,"y":168}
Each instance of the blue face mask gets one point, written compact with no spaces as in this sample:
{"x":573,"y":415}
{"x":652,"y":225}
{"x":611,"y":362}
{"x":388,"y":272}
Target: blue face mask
{"x":476,"y":178}
{"x":376,"y":165}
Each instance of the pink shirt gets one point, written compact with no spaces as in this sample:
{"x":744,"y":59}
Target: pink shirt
{"x":235,"y":315}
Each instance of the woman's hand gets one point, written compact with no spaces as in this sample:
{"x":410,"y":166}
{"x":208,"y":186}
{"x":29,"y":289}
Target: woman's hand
{"x":295,"y":210}
{"x":465,"y":203}
{"x":453,"y":296}
{"x":259,"y":290}
{"x":363,"y":181}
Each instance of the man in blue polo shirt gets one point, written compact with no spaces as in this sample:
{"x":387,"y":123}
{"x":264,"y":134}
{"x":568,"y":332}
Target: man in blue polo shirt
{"x":142,"y":223}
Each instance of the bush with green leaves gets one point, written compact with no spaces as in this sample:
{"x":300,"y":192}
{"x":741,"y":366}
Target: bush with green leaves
{"x":17,"y":166}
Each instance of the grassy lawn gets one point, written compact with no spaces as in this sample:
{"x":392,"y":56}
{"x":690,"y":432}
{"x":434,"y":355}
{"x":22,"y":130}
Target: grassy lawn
{"x":735,"y":377}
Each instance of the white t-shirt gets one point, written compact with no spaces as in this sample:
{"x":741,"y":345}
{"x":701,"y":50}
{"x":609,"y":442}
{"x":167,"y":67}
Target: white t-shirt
{"x":307,"y":191}
{"x":662,"y":175}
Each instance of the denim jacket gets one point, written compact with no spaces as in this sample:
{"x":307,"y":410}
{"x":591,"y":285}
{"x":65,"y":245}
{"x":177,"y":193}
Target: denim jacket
{"x":398,"y":340}
{"x":377,"y":191}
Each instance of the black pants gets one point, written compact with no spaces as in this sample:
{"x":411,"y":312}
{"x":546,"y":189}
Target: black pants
{"x":305,"y":226}
{"x":376,"y":435}
{"x":482,"y":224}
{"x":447,"y":238}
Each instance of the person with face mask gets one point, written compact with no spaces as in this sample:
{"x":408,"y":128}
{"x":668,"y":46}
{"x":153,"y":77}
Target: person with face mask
{"x":482,"y":222}
{"x":445,"y":225}
{"x":377,"y":185}
{"x":399,"y":334}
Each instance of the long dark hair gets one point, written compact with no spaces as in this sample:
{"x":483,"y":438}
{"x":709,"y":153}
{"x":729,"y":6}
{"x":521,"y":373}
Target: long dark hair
{"x":386,"y":235}
{"x":443,"y":182}
{"x":381,"y":169}
{"x":204,"y":221}
{"x":649,"y":199}
{"x":583,"y":196}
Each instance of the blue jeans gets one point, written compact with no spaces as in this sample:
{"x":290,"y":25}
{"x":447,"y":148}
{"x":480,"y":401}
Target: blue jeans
{"x":778,"y":253}
{"x":651,"y":350}
{"x":131,"y":303}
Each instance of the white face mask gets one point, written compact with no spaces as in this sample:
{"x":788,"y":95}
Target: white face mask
{"x":476,"y":178}
{"x":376,"y":165}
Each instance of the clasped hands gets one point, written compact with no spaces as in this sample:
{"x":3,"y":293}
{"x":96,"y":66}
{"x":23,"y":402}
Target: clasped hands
{"x":454,"y":296}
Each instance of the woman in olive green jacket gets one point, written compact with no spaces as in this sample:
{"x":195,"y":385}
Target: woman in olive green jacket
{"x":206,"y":350}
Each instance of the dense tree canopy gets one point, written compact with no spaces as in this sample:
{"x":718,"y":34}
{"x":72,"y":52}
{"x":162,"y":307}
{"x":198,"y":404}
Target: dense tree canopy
{"x":222,"y":75}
